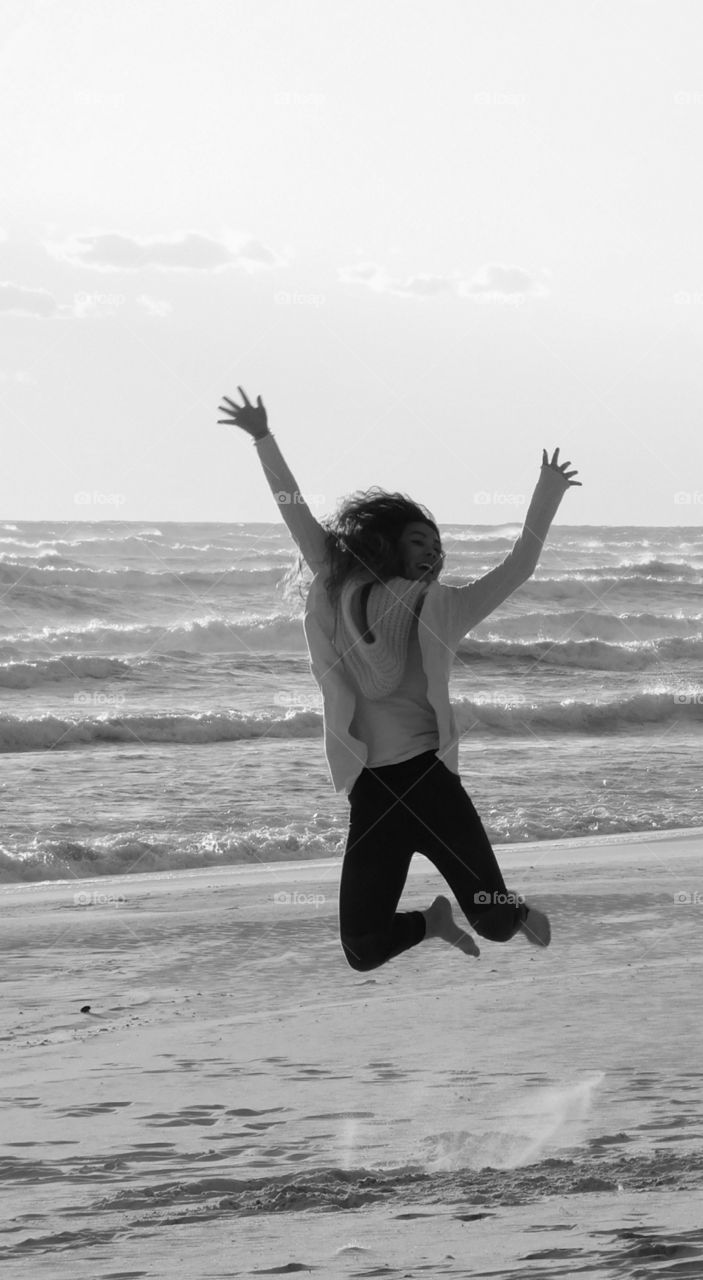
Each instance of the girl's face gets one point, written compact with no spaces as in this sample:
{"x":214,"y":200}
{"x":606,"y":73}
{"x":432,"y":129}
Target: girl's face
{"x":421,"y":552}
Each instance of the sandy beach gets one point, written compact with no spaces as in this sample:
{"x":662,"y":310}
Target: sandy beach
{"x":196,"y":1084}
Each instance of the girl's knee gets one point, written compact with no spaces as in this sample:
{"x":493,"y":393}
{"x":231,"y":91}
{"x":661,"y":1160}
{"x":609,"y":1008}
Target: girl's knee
{"x":495,"y":933}
{"x":500,"y":924}
{"x":364,"y":952}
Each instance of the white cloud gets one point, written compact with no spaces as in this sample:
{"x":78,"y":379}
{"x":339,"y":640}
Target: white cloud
{"x":378,"y":279}
{"x":16,"y":300}
{"x":494,"y":282}
{"x":185,"y":251}
{"x":154,"y":306}
{"x":364,"y":273}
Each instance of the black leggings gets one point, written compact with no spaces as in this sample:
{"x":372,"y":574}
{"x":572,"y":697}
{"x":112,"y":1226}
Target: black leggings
{"x":418,"y":806}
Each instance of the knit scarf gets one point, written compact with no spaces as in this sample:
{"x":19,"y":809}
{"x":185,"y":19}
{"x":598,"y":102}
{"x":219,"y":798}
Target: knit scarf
{"x":390,"y":606}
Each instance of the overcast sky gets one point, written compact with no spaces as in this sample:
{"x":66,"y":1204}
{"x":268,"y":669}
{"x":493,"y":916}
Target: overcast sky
{"x":435,"y":235}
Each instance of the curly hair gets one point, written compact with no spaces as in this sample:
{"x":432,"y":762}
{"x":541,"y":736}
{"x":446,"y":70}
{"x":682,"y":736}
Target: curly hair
{"x":363,"y":534}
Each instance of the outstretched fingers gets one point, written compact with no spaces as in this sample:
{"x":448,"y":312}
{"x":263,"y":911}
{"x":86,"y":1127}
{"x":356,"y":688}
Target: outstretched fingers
{"x":560,"y":466}
{"x":227,"y":422}
{"x":249,"y":417}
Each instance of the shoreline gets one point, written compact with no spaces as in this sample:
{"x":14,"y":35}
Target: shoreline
{"x":576,"y":851}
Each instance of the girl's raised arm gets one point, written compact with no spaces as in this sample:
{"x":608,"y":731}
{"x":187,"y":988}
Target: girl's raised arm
{"x":306,"y":531}
{"x":474,"y":602}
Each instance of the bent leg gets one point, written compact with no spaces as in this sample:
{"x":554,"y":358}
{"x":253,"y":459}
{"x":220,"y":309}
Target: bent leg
{"x":376,"y":860}
{"x":457,"y":844}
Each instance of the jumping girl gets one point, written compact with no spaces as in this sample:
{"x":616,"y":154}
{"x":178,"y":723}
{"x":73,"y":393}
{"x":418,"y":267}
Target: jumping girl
{"x":382,"y":634}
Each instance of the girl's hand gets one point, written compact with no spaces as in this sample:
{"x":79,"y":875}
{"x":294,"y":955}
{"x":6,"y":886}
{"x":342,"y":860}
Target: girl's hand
{"x":560,"y":467}
{"x":251,"y":418}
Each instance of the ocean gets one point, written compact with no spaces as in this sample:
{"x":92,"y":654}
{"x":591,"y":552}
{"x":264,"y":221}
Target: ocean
{"x":157,"y":709}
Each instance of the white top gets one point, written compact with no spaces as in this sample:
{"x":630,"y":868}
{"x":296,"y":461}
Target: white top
{"x":402,"y":724}
{"x":398,"y":728}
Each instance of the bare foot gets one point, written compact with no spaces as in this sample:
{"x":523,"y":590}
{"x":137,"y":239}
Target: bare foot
{"x":536,"y":927}
{"x":440,"y":923}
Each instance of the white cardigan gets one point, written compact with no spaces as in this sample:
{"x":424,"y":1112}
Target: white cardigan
{"x":447,"y":615}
